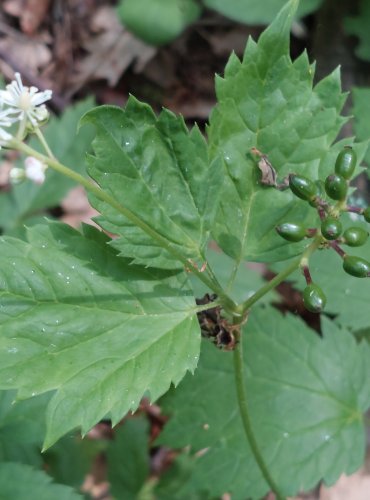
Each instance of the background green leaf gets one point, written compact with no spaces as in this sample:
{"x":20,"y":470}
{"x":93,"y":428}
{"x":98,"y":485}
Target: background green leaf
{"x":128,"y":459}
{"x":77,"y":319}
{"x":361,"y":112}
{"x":160,"y":171}
{"x":22,"y":428}
{"x":19,"y":481}
{"x":256,"y":12}
{"x":269,"y":102}
{"x":158,"y":21}
{"x":359,"y":26}
{"x":25,"y":202}
{"x":306,"y":396}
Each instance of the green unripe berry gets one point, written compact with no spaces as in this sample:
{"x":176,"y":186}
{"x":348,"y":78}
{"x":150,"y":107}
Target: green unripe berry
{"x":355,"y":236}
{"x":331,"y":228}
{"x":356,"y":266}
{"x":336,"y":187}
{"x":366,"y":214}
{"x":302,"y":187}
{"x":291,"y":232}
{"x":314,"y":298}
{"x":346,"y":162}
{"x":320,"y":193}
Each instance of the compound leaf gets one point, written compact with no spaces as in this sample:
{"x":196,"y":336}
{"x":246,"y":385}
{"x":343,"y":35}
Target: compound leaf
{"x":19,"y":481}
{"x":77,"y":319}
{"x":268,"y":102}
{"x":306,"y":396}
{"x":160,"y":171}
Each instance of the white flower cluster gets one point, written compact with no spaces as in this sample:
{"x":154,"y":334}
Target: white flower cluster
{"x":19,"y":103}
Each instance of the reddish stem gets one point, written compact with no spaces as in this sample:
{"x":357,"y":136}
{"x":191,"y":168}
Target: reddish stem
{"x":307,"y":275}
{"x":356,"y":210}
{"x":334,"y":245}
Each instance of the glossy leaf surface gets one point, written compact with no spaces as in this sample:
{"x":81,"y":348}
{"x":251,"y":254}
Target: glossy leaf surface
{"x":75,"y":318}
{"x":160,"y":171}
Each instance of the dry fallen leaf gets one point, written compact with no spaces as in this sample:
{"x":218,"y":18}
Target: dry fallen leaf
{"x":28,"y":53}
{"x":110,"y":51}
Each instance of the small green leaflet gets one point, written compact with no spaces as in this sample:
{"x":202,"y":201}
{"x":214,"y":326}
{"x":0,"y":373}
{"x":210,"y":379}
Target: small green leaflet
{"x":20,"y":482}
{"x":268,"y":102}
{"x":160,"y":171}
{"x":306,"y":396}
{"x":77,"y":319}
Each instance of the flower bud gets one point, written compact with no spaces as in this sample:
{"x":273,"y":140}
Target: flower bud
{"x":17,"y":175}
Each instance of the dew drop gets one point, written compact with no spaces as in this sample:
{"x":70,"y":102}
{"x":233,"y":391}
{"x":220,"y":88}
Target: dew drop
{"x":33,"y":394}
{"x":13,"y":350}
{"x":286,"y":434}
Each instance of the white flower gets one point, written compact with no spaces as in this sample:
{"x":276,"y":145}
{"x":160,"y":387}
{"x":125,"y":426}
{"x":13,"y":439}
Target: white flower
{"x":35,"y":169}
{"x":5,"y":121}
{"x":17,"y":175}
{"x":25,"y":101}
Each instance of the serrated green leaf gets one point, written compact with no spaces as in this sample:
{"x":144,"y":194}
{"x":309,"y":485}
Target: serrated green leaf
{"x":158,"y":21}
{"x":128,"y":459}
{"x":158,"y":170}
{"x":22,"y":428}
{"x":21,"y":482}
{"x":26,"y":200}
{"x":306,"y":396}
{"x":268,"y":102}
{"x":256,"y":12}
{"x":76,"y":318}
{"x":359,"y":26}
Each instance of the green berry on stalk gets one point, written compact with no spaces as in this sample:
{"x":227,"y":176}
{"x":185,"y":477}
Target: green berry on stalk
{"x":320,"y":193}
{"x":366,"y":214}
{"x":355,"y":236}
{"x":346,"y":162}
{"x":331,"y":228}
{"x":302,"y":187}
{"x":336,"y":187}
{"x":291,"y":232}
{"x":356,"y":266}
{"x":314,"y":298}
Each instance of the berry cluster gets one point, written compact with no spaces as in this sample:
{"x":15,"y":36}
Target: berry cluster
{"x":330,"y":234}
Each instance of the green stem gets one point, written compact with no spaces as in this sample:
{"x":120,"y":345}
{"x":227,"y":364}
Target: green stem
{"x":45,"y":145}
{"x":131,"y":216}
{"x":246,"y":420}
{"x":279,"y":278}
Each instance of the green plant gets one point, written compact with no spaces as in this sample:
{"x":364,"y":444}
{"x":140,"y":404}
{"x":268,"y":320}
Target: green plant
{"x":158,"y":22}
{"x":100,"y":322}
